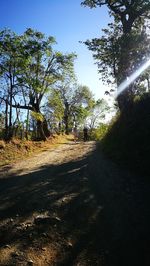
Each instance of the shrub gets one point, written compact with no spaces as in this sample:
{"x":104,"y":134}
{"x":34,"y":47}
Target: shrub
{"x":98,"y":133}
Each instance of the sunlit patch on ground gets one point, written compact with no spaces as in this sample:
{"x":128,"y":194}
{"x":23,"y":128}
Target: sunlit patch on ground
{"x":45,"y":256}
{"x":6,"y":254}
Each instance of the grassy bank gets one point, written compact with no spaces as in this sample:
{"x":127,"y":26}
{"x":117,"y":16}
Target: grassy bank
{"x":17,"y":150}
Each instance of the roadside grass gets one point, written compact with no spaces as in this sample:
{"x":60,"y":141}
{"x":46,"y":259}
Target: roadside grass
{"x":20,"y":149}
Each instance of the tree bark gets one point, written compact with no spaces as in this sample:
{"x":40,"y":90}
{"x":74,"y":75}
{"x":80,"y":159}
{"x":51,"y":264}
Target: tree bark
{"x":40,"y":132}
{"x":6,"y":119}
{"x":125,"y":99}
{"x":27,"y":125}
{"x":66,"y":118}
{"x":10,"y":134}
{"x":42,"y":128}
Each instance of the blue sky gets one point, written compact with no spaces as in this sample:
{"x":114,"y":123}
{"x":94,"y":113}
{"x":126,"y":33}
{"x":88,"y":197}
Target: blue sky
{"x":68,"y":22}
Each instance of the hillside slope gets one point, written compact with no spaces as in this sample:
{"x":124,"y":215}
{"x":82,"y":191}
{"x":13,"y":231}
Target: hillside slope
{"x":128,"y":139}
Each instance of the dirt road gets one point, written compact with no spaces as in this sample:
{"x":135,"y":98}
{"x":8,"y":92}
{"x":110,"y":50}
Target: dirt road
{"x":72,"y":206}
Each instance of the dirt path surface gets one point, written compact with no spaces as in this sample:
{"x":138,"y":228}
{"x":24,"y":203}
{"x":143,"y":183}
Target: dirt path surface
{"x":72,"y":206}
{"x":62,"y":154}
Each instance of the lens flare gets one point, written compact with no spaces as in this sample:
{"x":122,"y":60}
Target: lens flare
{"x":133,"y":77}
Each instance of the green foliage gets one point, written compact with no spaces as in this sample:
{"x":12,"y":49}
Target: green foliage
{"x":55,"y":104}
{"x":45,"y":67}
{"x":81,"y":103}
{"x":98,"y":113}
{"x":99,"y":132}
{"x":118,"y":55}
{"x":106,"y":52}
{"x":37,"y":116}
{"x":122,"y":8}
{"x":29,"y":68}
{"x":124,"y":46}
{"x":69,"y":102}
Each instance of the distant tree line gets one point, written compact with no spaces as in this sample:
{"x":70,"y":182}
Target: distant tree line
{"x":39,"y":93}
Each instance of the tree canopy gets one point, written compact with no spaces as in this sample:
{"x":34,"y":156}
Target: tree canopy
{"x":39,"y":90}
{"x":126,"y":11}
{"x":29,"y":67}
{"x":124,"y":45}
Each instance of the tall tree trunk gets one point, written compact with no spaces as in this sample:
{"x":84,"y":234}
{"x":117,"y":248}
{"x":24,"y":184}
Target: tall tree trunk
{"x":66,"y":117}
{"x":45,"y":129}
{"x":6,"y":119}
{"x":148,"y":84}
{"x":40,"y":132}
{"x":42,"y":127}
{"x":59,"y":127}
{"x":10,"y":112}
{"x":34,"y":127}
{"x":125,"y":99}
{"x":27,"y":125}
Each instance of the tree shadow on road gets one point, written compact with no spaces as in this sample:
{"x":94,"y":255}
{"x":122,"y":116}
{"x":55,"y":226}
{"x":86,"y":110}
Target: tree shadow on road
{"x":52,"y":207}
{"x":75,"y":213}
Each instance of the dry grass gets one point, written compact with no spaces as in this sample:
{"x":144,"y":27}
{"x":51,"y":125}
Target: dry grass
{"x":2,"y":144}
{"x":45,"y":257}
{"x":18,"y":150}
{"x":6,"y":253}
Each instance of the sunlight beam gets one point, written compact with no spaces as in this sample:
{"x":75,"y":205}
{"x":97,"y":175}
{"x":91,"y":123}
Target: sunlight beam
{"x":133,"y":77}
